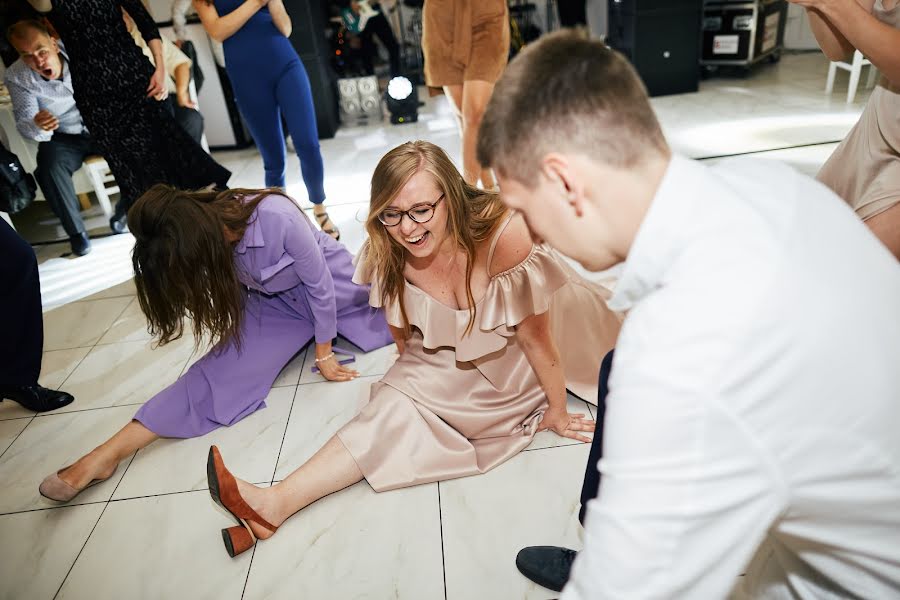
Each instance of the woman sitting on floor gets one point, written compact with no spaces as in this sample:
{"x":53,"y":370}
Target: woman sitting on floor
{"x":475,"y":379}
{"x":257,"y":279}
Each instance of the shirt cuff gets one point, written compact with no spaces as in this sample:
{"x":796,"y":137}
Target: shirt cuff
{"x":43,"y":136}
{"x":325,"y":332}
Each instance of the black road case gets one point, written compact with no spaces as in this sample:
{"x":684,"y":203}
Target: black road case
{"x":741,"y":32}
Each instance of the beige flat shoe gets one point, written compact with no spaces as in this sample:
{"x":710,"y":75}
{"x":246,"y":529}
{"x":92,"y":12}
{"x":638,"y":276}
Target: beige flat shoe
{"x":54,"y":488}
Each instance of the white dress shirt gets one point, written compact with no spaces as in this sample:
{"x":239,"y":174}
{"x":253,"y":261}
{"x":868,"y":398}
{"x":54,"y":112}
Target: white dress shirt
{"x":30,"y":93}
{"x":172,"y":57}
{"x":754,"y":405}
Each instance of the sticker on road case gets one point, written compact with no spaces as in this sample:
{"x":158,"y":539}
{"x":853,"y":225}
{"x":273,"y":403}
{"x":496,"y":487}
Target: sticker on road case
{"x":725,"y":44}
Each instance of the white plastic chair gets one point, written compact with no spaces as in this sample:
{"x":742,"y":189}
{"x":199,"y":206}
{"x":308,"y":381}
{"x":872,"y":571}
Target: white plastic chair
{"x":103,"y":181}
{"x":855,"y":68}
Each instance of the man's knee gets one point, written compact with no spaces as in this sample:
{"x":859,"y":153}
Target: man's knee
{"x":55,"y":160}
{"x":191,"y":121}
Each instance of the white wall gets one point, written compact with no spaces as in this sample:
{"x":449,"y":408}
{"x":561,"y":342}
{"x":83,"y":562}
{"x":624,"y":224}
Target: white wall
{"x":597,"y":17}
{"x":797,"y":34}
{"x":160,"y":10}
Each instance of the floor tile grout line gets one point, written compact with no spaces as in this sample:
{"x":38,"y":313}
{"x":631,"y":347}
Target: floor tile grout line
{"x":184,"y":366}
{"x":46,"y":508}
{"x":175,"y":493}
{"x":778,"y":149}
{"x":274,"y":470}
{"x":564,"y":445}
{"x":441,"y":524}
{"x":89,"y":299}
{"x":111,"y":500}
{"x":367,"y":376}
{"x":124,"y":473}
{"x":19,"y":434}
{"x":81,"y":410}
{"x":88,"y":346}
{"x":590,"y":408}
{"x":118,"y":316}
{"x":94,"y":528}
{"x":83,"y":546}
{"x":63,"y":382}
{"x":249,"y":569}
{"x":22,"y":418}
{"x":284,"y":436}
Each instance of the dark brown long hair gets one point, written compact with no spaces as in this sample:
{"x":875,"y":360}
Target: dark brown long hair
{"x":183,"y":263}
{"x":473,"y":216}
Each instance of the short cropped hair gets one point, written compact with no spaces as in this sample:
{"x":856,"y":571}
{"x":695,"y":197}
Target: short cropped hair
{"x":17,"y":29}
{"x":567,"y":92}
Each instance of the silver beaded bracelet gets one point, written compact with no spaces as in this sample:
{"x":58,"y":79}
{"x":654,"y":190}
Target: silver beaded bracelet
{"x":324,"y":358}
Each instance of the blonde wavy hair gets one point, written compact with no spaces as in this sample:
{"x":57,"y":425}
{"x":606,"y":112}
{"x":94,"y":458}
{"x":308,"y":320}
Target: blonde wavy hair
{"x":473,"y":217}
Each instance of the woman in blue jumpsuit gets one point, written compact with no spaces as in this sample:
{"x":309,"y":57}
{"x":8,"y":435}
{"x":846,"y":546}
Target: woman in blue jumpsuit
{"x":269,"y":80}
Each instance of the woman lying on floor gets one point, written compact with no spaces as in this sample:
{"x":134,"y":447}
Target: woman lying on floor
{"x":257,"y":279}
{"x":475,"y":380}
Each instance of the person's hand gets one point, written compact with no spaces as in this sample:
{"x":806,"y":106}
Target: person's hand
{"x":45,"y":120}
{"x":157,"y":88}
{"x":568,"y":425}
{"x":184,"y":99}
{"x":261,"y":3}
{"x":179,"y":44}
{"x":332,"y":370}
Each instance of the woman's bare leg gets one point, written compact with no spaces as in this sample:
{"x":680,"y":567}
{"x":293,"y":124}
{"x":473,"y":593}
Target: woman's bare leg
{"x":330,"y":469}
{"x":886,"y":226}
{"x":102,"y":461}
{"x":476,"y":95}
{"x":455,"y":94}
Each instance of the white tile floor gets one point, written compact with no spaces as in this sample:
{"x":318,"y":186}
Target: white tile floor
{"x":152,"y":531}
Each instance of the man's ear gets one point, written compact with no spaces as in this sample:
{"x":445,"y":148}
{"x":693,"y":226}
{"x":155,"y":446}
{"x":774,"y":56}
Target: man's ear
{"x":559,"y":170}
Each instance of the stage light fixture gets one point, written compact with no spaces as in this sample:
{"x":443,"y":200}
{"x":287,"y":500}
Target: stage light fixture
{"x":402,"y":100}
{"x":359,"y":97}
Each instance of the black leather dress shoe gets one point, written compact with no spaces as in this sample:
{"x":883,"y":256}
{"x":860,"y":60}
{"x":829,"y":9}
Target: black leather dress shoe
{"x":81,"y":244}
{"x":547,"y":566}
{"x":35,"y":397}
{"x":118,"y":224}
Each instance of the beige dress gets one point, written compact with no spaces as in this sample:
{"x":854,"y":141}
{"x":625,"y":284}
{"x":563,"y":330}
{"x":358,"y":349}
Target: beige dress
{"x":865,"y":169}
{"x":464,"y":40}
{"x":457,"y":404}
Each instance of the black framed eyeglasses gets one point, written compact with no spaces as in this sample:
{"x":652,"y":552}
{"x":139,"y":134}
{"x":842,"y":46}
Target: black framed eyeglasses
{"x":420,"y":213}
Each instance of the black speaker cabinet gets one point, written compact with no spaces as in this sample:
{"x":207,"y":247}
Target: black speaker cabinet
{"x":309,"y":40}
{"x":661,"y":38}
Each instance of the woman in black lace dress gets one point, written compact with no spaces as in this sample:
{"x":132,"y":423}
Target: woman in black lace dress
{"x":119,"y":93}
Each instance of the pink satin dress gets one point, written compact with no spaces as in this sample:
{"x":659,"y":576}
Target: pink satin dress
{"x":457,"y":404}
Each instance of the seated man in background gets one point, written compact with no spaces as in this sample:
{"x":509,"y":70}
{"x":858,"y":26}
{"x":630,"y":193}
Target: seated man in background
{"x":178,"y":66}
{"x":40,"y":87}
